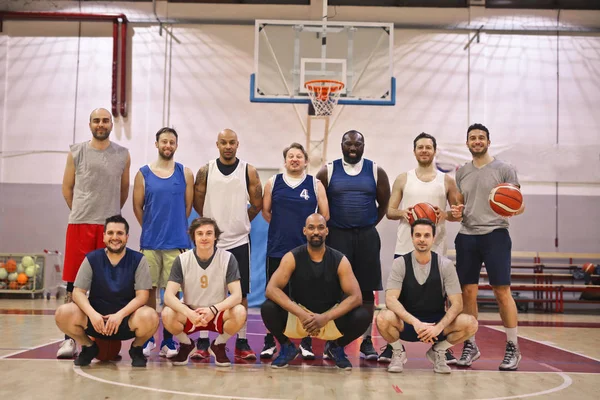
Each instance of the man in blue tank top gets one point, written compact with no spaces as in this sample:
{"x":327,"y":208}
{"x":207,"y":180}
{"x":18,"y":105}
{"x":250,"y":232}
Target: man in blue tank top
{"x":358,"y":192}
{"x":118,"y":281}
{"x":289,"y":198}
{"x":162,"y":202}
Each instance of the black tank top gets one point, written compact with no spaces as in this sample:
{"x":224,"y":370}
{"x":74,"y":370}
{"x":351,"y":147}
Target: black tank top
{"x":426,"y":299}
{"x":316,"y":285}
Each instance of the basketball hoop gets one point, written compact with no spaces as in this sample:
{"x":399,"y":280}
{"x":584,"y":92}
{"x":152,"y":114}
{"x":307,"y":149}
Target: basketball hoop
{"x":324,"y":95}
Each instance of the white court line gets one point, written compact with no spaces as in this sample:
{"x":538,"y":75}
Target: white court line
{"x":31,"y":348}
{"x":567,"y":381}
{"x":81,"y":373}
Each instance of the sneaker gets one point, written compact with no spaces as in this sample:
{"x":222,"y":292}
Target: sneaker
{"x":137,"y":356}
{"x":337,"y":354}
{"x":149,"y":346}
{"x":398,"y":360}
{"x":469,"y":354}
{"x":326,"y":350}
{"x":287,"y":353}
{"x":243,"y":350}
{"x":201,"y":350}
{"x":88,"y":353}
{"x":512,"y":357}
{"x":386,"y":354}
{"x":270,"y":348}
{"x":438,"y":358}
{"x":367,"y":350}
{"x":183,"y":355}
{"x":168,"y":348}
{"x":450,"y":359}
{"x":306,"y":349}
{"x":67,"y":349}
{"x":219,"y":352}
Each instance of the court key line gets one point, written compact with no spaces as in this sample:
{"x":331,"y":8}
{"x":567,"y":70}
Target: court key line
{"x":567,"y":381}
{"x":30,"y":348}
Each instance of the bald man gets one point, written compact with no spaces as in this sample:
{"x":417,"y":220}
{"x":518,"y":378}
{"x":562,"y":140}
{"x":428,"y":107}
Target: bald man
{"x":324,"y":301}
{"x":95,"y":186}
{"x":222,"y":191}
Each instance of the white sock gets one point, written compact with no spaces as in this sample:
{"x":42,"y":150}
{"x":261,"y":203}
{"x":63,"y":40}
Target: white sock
{"x":183,"y":338}
{"x":397,"y":345}
{"x":443,"y":345}
{"x":203,"y":335}
{"x":471,"y":339}
{"x":222,"y":338}
{"x":368,"y":331}
{"x":511,"y":335}
{"x":242,"y":332}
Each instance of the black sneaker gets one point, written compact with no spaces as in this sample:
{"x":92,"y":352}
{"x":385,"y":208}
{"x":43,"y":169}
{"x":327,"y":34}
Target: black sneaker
{"x":386,"y":354}
{"x":243,"y":350}
{"x":450,"y":359}
{"x":88,"y":353}
{"x":201,"y":351}
{"x":367,"y":350}
{"x":270,"y":348}
{"x":137,"y":356}
{"x":337,"y":354}
{"x":306,"y":349}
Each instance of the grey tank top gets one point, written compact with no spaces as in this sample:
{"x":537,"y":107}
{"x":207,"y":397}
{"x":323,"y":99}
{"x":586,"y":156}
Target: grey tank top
{"x":97,"y":191}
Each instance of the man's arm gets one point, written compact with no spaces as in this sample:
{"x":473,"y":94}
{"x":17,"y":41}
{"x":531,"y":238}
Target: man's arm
{"x":383,"y":193}
{"x":234,"y":298}
{"x":351,"y":289}
{"x":266,"y":205}
{"x":322,"y":176}
{"x":456,"y":307}
{"x":393,"y":212}
{"x":200,"y":189}
{"x":125,"y":181}
{"x":453,"y":196}
{"x":278,"y":281}
{"x":139,"y":196}
{"x":255,"y":193}
{"x":172,"y":301}
{"x":189,"y":191}
{"x":69,"y":181}
{"x":392,"y":303}
{"x":322,"y":201}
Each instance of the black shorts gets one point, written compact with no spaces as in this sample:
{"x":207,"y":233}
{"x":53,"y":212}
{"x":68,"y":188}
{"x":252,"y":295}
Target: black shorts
{"x":242,"y":255}
{"x":410,"y":335}
{"x":493,"y":249}
{"x":361,"y":246}
{"x":124,"y":333}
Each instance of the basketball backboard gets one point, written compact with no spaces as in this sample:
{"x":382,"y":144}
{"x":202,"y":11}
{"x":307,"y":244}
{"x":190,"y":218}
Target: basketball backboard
{"x":287,"y":54}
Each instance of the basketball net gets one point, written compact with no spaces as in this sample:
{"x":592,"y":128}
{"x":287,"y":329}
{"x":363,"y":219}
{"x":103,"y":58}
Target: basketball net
{"x":324,"y":95}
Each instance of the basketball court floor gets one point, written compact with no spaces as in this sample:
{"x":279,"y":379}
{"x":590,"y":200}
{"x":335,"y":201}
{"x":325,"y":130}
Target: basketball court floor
{"x":561,"y":361}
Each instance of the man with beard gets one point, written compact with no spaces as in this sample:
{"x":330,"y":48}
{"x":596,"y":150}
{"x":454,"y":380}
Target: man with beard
{"x":222,"y":191}
{"x":422,"y":184}
{"x":415,"y":297}
{"x":118,"y":280}
{"x":162,"y":202}
{"x":289,"y":198}
{"x":324,"y":301}
{"x":484,"y":238}
{"x":358,"y":192}
{"x":95,"y":186}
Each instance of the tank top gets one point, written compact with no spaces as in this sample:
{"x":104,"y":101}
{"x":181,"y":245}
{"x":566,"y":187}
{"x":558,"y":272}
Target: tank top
{"x":204,"y":287}
{"x":164,"y":225}
{"x":416,"y":191}
{"x":97,"y":190}
{"x":426,"y":299}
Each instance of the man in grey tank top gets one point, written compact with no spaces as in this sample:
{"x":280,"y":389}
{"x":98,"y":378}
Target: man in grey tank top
{"x":484,"y":238}
{"x":95,"y":186}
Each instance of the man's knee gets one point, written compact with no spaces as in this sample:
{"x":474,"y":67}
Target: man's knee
{"x":502,"y":294}
{"x":66,"y":313}
{"x":146,"y":317}
{"x":467,"y":323}
{"x":238,"y":314}
{"x":268,"y":308}
{"x":385,"y":319}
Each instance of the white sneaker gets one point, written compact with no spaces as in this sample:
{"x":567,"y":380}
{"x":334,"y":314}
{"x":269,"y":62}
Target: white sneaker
{"x":168,"y":349}
{"x":67,"y":349}
{"x":398,"y":360}
{"x":438,"y":359}
{"x":148,"y":347}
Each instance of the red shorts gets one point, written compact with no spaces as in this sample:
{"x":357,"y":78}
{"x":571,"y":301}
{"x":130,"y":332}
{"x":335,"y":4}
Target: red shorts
{"x":216,"y":325}
{"x":81,"y":239}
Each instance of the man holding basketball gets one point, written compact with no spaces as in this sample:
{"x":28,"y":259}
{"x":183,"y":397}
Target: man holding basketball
{"x":484,"y":238}
{"x":95,"y":186}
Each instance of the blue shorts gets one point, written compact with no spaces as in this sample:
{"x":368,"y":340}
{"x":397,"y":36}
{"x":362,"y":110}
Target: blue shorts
{"x":410,"y":335}
{"x":493,"y":249}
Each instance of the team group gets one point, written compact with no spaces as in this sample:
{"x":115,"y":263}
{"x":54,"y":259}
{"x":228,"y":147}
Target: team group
{"x":323,"y":253}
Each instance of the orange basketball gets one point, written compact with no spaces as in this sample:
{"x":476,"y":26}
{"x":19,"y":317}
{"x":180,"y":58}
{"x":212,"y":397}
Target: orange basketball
{"x":422,"y":211}
{"x":506,"y":199}
{"x":10,"y":266}
{"x":22,"y":278}
{"x":108,"y":350}
{"x":588,"y":268}
{"x":13,"y":285}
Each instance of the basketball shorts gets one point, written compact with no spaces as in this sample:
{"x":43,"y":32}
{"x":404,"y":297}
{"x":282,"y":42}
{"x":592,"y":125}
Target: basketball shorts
{"x":160,"y":262}
{"x":410,"y":335}
{"x":295,"y":330}
{"x":124,"y":332}
{"x":493,"y":249}
{"x":242,"y":255}
{"x":81,"y":239}
{"x":216,"y":325}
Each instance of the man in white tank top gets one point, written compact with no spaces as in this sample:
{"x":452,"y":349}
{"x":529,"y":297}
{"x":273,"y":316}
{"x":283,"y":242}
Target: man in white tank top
{"x":423,"y":184}
{"x":222,"y":191}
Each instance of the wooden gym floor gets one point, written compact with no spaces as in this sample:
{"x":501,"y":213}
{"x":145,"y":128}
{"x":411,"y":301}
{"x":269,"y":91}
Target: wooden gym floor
{"x":561,"y":360}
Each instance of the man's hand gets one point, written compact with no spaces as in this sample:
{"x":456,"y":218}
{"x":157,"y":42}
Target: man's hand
{"x":195,"y":318}
{"x":314,"y":324}
{"x":112,"y":323}
{"x":421,"y":327}
{"x":405,"y":213}
{"x":97,"y":321}
{"x":457,"y":211}
{"x":440,"y":214}
{"x":206,"y":314}
{"x":430,"y":333}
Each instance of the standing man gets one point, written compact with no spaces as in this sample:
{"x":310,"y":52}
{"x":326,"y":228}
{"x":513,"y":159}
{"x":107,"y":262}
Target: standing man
{"x":422,"y":184}
{"x":288,"y":200}
{"x":358,"y":192}
{"x":162,"y":202}
{"x":484,"y":238}
{"x":415,"y":297}
{"x":222,"y":191}
{"x":95,"y":186}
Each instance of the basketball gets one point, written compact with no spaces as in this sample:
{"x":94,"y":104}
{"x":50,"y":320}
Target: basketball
{"x":22,"y":278}
{"x":588,"y":268}
{"x":108,"y":350}
{"x":422,"y":211}
{"x":10,"y":266}
{"x":506,"y":199}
